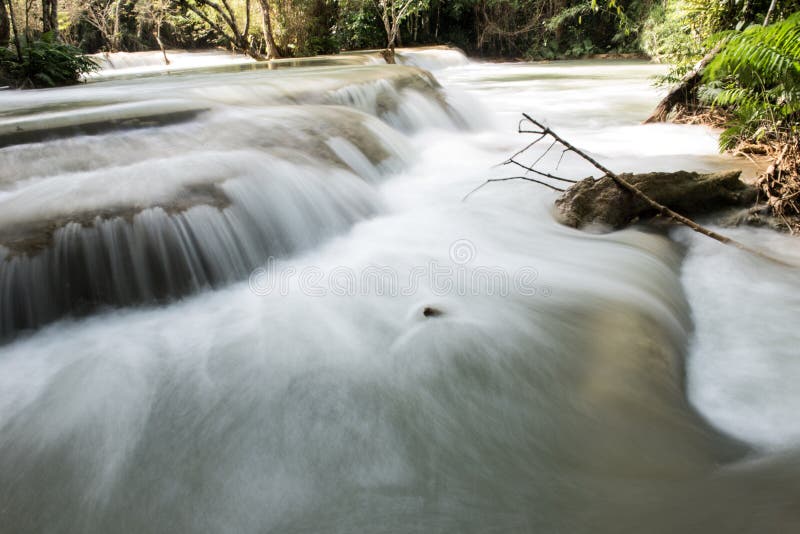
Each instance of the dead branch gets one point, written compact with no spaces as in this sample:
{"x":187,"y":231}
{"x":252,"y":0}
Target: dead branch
{"x":776,"y":165}
{"x":781,"y":185}
{"x":626,"y":185}
{"x":526,"y":178}
{"x":530,"y":168}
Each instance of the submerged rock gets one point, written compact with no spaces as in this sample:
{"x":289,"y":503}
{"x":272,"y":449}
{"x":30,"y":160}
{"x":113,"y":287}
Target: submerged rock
{"x":758,"y":216}
{"x":430,"y":311}
{"x":602,"y":202}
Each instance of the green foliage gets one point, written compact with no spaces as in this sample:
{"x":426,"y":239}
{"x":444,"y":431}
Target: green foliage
{"x":45,"y":62}
{"x":581,"y":49}
{"x":358,"y":26}
{"x":570,"y":15}
{"x":544,"y":49}
{"x":669,"y":36}
{"x":760,"y":55}
{"x":585,"y":27}
{"x":680,"y":32}
{"x":757,"y":76}
{"x":185,"y":29}
{"x":706,"y":17}
{"x":509,"y":28}
{"x":304,"y":27}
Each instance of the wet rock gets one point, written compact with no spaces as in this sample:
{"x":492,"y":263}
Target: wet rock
{"x":600,"y":202}
{"x":759,"y":216}
{"x":94,"y":121}
{"x":430,"y":311}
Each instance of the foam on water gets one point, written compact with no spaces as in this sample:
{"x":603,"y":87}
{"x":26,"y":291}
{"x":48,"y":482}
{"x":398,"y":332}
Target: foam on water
{"x":745,"y":359}
{"x":137,"y":62}
{"x":432,"y":59}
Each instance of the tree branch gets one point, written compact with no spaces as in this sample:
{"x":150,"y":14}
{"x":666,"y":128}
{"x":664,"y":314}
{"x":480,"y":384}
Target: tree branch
{"x":660,"y":208}
{"x":540,"y":173}
{"x":526,"y":178}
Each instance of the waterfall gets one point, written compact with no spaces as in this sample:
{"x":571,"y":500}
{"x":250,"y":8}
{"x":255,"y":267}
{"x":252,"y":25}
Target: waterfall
{"x":117,"y":204}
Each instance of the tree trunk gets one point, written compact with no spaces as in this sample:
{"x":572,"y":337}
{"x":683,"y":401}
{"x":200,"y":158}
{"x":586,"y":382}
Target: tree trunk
{"x":50,"y":17}
{"x":266,"y":28}
{"x":5,"y":25}
{"x":386,"y":26}
{"x":157,"y":35}
{"x":769,"y":11}
{"x":388,"y":56}
{"x":682,"y":92}
{"x":14,"y":29}
{"x":115,"y":40}
{"x":438,"y":13}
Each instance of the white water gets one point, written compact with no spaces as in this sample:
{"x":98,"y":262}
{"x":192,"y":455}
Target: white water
{"x":745,"y":359}
{"x":126,"y":63}
{"x":339,"y":407}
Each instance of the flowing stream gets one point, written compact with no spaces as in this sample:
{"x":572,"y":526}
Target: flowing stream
{"x":238,"y":297}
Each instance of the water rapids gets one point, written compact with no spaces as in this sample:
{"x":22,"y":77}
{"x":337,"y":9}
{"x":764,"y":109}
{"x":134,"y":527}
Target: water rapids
{"x":246,"y":299}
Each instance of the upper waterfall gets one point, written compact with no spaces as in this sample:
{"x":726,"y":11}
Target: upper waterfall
{"x":114,"y":199}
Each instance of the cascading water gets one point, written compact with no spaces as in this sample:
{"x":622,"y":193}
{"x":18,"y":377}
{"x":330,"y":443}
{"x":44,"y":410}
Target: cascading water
{"x":218,"y":192}
{"x":356,"y":349}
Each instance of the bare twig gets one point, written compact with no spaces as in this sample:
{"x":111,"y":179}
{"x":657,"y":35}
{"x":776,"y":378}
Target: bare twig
{"x":541,"y":157}
{"x":528,"y":146}
{"x":540,"y":173}
{"x":776,"y":165}
{"x":791,"y":196}
{"x":561,"y":157}
{"x":781,"y":185}
{"x":749,"y":157}
{"x":526,"y":178}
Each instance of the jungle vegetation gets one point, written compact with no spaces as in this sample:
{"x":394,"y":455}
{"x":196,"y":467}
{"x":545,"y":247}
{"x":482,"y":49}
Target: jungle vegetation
{"x":520,"y":29}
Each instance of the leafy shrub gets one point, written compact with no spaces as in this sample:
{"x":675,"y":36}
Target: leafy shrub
{"x":358,"y":26}
{"x":667,"y":36}
{"x":757,"y":75}
{"x":44,"y":62}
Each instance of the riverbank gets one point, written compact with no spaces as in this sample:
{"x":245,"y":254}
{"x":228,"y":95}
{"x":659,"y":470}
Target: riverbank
{"x":774,"y":168}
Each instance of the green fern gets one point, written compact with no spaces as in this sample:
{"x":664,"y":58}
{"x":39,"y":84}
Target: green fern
{"x":757,"y":76}
{"x":45,"y":62}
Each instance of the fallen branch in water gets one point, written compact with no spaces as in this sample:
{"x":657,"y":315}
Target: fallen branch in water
{"x":531,"y":167}
{"x":526,"y":178}
{"x":543,"y":132}
{"x":662,"y":209}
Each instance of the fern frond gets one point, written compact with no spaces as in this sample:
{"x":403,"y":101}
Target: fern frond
{"x":739,"y":96}
{"x":765,"y":55}
{"x":757,"y":76}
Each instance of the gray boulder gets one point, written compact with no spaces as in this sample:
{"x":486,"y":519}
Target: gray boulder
{"x":602,"y":202}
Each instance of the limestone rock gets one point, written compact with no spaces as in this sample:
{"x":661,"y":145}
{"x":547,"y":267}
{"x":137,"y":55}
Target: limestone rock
{"x":601,"y":202}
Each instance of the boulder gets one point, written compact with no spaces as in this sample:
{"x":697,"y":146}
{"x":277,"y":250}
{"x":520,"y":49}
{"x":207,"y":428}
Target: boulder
{"x":602,"y":202}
